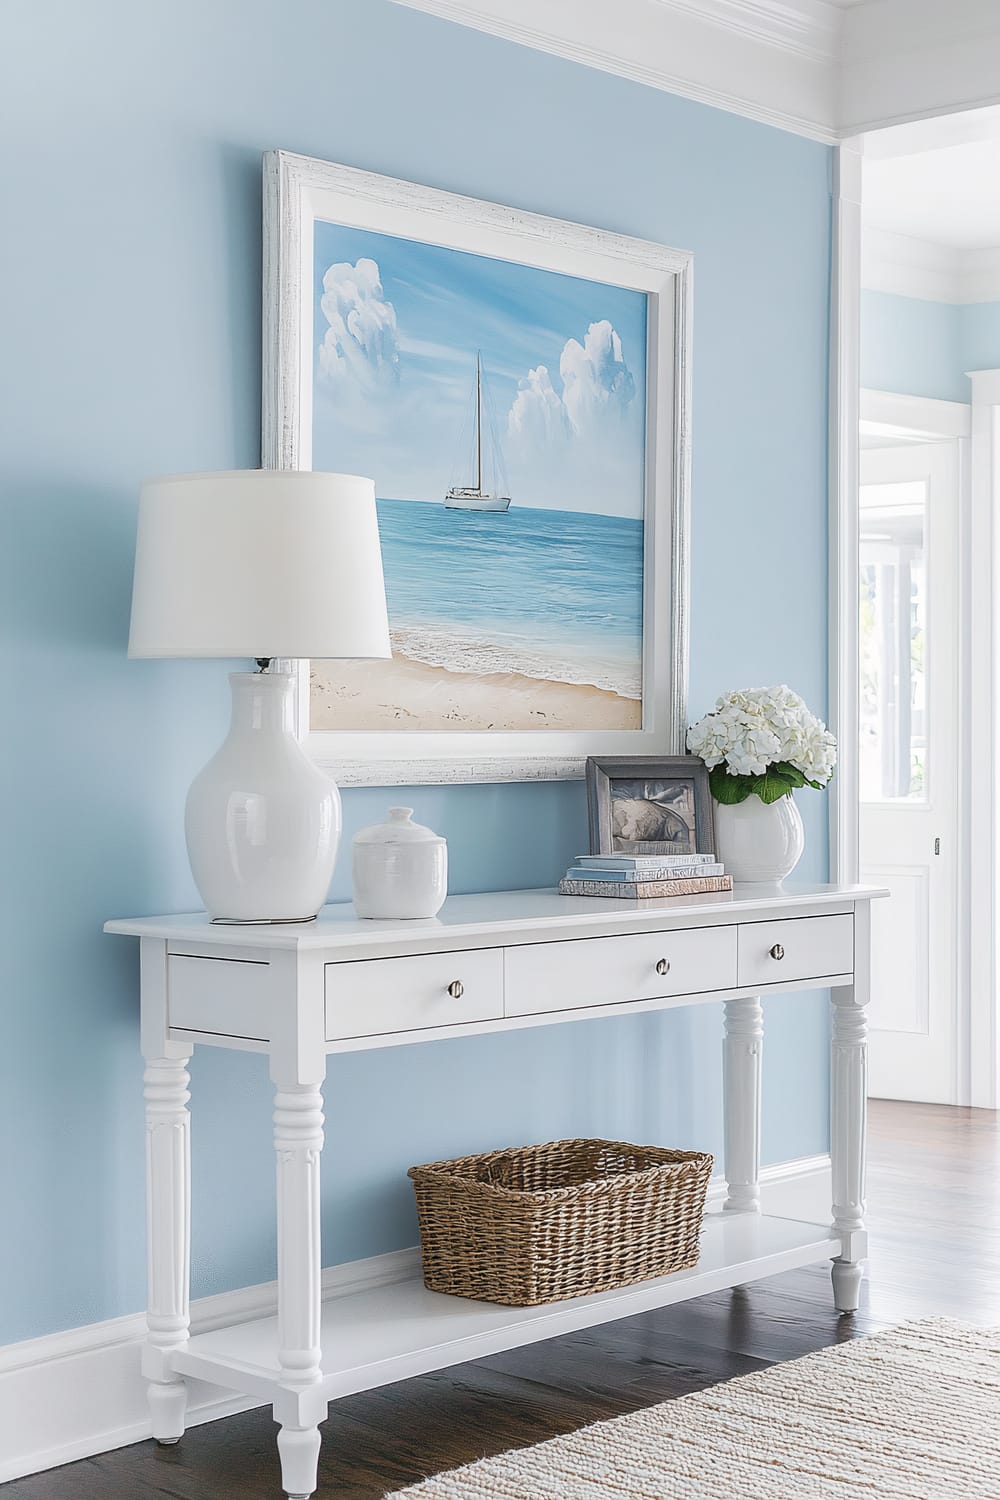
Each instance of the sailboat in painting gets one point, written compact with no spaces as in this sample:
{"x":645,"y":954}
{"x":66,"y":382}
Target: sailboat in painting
{"x":474,"y":497}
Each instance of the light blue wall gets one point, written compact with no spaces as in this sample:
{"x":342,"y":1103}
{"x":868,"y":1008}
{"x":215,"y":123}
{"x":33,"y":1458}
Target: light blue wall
{"x":130,"y":313}
{"x":911,"y":347}
{"x":918,"y":348}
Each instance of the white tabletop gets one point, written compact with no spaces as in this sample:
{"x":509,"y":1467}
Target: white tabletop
{"x":501,"y":916}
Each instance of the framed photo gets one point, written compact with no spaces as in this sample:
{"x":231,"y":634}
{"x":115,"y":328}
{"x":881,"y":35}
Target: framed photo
{"x":518,"y":388}
{"x":650,"y":805}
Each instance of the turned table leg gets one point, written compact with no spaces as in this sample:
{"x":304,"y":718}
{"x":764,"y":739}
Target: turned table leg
{"x":741,"y":1064}
{"x":168,"y":1197}
{"x":849,"y":1115}
{"x":168,"y":1224}
{"x":298,"y":1141}
{"x":848,"y":1128}
{"x":298,"y":1068}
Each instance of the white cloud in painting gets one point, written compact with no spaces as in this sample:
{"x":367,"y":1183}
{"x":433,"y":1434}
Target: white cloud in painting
{"x":537,"y":414}
{"x":596,"y":380}
{"x":361,"y":343}
{"x":579,"y":444}
{"x":597,"y":385}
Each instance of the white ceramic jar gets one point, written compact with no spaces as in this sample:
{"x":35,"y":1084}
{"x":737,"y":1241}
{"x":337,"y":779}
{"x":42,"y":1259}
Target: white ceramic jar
{"x":400,"y":868}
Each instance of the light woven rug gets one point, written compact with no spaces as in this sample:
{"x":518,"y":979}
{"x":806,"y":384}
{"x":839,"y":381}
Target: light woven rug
{"x":912,"y":1414}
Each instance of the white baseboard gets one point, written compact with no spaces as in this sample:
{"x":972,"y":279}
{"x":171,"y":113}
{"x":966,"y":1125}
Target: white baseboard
{"x":71,"y":1395}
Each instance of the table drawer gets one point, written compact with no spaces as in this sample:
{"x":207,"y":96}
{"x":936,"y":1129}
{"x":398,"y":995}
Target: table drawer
{"x":616,"y":970}
{"x":220,"y":996}
{"x":379,"y":995}
{"x":800,"y":948}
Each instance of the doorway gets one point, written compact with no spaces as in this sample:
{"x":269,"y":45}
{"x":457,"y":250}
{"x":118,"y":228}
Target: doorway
{"x":908,"y":758}
{"x":917,"y":359}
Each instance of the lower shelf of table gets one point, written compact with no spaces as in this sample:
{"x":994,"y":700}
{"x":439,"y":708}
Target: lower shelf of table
{"x":377,"y":1335}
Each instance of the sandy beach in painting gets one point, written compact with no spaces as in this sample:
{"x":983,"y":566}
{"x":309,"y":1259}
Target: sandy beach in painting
{"x":406,"y":694}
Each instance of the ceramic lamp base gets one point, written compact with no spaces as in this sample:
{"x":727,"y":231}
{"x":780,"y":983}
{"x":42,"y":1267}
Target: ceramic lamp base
{"x":262,"y":821}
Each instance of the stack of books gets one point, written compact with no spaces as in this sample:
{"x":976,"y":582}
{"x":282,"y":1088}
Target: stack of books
{"x":634,"y":876}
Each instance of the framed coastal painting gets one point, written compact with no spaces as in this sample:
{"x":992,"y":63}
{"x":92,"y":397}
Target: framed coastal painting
{"x":518,"y":389}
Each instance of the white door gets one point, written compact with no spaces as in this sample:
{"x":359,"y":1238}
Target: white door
{"x":908,"y":763}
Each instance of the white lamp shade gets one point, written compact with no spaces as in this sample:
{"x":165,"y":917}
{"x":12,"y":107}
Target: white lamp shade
{"x":258,"y":563}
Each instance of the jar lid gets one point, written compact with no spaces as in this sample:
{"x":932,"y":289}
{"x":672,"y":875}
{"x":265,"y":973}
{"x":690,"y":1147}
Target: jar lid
{"x":398,"y":829}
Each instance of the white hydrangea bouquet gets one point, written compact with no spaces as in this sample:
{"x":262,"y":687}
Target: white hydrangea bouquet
{"x":764,"y":742}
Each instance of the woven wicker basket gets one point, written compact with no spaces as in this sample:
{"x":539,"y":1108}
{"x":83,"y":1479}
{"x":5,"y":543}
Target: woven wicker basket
{"x":542,"y":1223}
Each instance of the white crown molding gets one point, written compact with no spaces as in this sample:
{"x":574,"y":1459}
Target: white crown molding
{"x":810,"y":28}
{"x":940,"y":133}
{"x":819,"y":68}
{"x":905,"y":60}
{"x":980,"y":275}
{"x":909,"y":267}
{"x":71,"y":1395}
{"x":726,"y":53}
{"x":892,"y":28}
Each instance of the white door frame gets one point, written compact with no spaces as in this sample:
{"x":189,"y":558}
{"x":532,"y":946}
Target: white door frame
{"x":980,"y":763}
{"x":978,"y":436}
{"x":845,"y":402}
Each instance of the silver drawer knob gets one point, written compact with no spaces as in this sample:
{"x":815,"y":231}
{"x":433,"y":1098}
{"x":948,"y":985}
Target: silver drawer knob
{"x":663,"y":967}
{"x":456,"y":989}
{"x":777,"y":951}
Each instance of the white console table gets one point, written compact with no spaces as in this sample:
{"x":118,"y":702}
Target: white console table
{"x":487,"y":963}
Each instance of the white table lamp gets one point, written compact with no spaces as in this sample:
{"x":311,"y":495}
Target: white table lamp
{"x":260,"y":563}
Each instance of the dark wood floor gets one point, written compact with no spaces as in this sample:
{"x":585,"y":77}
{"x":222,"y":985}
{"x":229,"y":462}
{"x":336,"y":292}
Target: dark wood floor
{"x":934,"y":1192}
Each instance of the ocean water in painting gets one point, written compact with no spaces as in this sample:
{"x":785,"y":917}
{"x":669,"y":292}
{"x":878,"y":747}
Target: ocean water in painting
{"x":550,"y":594}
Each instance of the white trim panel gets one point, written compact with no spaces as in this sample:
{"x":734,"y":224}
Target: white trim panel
{"x":72,"y":1395}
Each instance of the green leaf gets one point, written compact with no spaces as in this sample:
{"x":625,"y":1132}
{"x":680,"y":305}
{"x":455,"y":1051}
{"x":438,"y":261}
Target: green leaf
{"x":729,"y":789}
{"x":789,"y":773}
{"x":770,"y":788}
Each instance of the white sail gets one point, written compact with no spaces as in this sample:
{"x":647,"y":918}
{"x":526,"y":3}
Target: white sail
{"x":474,"y":497}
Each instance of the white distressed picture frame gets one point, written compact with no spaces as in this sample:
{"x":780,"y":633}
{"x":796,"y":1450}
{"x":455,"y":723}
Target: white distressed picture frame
{"x":297,"y":191}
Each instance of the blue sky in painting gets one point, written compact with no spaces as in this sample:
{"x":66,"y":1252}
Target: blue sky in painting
{"x":397,"y":325}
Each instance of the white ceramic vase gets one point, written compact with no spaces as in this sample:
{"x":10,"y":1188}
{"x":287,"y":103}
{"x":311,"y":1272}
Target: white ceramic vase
{"x":760,"y":843}
{"x":262,"y":821}
{"x":400,"y":869}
